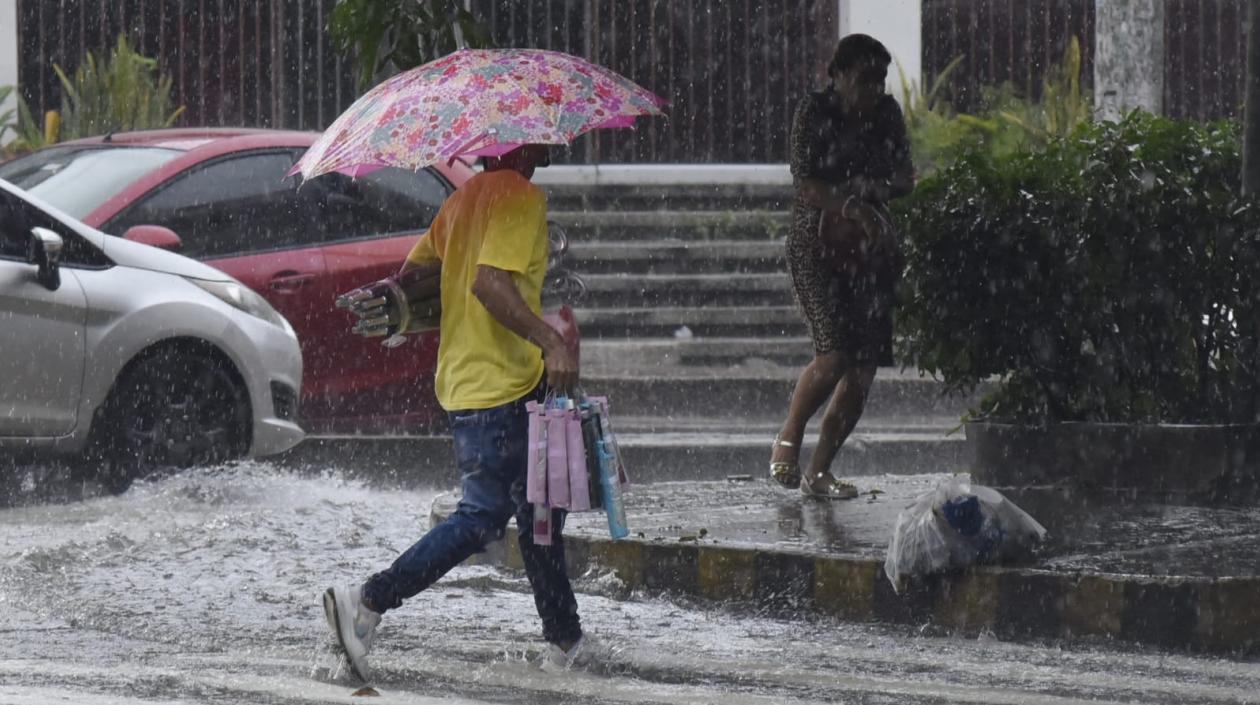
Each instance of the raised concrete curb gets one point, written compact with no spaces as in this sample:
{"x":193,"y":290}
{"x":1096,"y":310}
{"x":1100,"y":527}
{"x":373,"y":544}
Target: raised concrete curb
{"x":652,"y":456}
{"x":1217,"y":615}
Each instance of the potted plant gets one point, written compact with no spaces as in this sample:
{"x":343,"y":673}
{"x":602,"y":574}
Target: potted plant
{"x":1106,"y":282}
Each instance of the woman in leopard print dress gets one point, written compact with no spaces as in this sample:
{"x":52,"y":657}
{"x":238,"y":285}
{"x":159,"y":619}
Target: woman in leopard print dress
{"x":850,"y":156}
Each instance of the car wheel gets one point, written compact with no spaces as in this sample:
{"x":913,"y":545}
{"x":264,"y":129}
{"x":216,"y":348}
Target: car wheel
{"x":173,"y":408}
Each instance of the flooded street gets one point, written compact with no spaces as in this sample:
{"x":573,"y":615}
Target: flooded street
{"x":204,"y":588}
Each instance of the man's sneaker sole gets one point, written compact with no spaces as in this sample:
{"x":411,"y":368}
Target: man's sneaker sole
{"x":333,"y":614}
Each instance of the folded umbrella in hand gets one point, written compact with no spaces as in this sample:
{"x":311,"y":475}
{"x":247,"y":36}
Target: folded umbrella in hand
{"x":401,"y":304}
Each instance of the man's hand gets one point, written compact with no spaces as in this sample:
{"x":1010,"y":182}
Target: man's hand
{"x":562,"y":369}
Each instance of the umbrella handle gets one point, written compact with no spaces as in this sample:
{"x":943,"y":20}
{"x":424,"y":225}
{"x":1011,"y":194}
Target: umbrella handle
{"x":452,"y":15}
{"x":474,"y":143}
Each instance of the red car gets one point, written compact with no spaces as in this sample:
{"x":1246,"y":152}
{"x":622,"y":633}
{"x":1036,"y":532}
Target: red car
{"x":221,"y":196}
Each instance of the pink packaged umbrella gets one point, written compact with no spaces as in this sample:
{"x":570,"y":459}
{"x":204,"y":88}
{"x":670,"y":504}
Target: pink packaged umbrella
{"x":579,"y":479}
{"x":536,"y":463}
{"x":557,"y":457}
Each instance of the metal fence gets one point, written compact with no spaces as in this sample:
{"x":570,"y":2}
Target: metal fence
{"x":1016,"y":40}
{"x":264,"y":63}
{"x":732,"y":70}
{"x":1205,"y":57}
{"x":1001,"y":41}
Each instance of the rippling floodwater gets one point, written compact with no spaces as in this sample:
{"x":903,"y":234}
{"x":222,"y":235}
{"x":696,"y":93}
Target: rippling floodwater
{"x":204,"y":588}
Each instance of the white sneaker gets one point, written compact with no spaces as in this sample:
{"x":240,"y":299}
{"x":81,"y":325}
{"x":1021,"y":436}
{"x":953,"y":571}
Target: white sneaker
{"x":353,"y":624}
{"x":582,"y":656}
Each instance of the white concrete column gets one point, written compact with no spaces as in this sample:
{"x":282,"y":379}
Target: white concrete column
{"x":1128,"y":56}
{"x":896,"y":23}
{"x":8,"y":52}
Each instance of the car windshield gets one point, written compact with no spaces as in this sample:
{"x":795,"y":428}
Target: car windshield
{"x":78,"y":179}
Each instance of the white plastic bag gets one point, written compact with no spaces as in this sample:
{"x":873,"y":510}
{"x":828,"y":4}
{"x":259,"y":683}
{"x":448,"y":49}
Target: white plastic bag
{"x":956,"y":525}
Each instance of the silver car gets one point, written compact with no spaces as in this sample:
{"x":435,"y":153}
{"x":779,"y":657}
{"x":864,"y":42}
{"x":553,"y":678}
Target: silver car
{"x":132,"y":357}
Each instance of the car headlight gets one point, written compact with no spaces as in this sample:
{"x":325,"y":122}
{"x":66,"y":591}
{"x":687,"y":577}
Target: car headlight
{"x":244,"y":299}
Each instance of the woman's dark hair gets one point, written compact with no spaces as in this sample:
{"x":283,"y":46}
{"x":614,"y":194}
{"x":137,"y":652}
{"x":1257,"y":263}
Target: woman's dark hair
{"x":856,"y":50}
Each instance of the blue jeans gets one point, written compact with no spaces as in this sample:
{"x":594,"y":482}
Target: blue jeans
{"x":490,"y":447}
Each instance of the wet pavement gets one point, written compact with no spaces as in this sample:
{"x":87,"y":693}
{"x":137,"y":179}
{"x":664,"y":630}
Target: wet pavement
{"x":204,"y":587}
{"x":1095,"y":534}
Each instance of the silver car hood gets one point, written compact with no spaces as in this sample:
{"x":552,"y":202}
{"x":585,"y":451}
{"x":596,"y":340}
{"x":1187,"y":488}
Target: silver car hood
{"x":125,"y":252}
{"x":133,"y":254}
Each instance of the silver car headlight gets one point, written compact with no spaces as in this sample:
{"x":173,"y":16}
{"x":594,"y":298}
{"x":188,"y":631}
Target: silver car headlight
{"x":244,"y":299}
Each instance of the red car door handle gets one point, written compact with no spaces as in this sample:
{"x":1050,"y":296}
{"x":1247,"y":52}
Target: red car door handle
{"x":290,"y":281}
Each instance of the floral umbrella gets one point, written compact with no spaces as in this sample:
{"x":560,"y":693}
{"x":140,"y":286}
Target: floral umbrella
{"x":481,"y":102}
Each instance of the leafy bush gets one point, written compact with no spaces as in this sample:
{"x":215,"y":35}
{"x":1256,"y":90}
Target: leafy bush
{"x":1106,"y":277}
{"x":383,"y":37}
{"x":8,"y":117}
{"x":124,"y":91}
{"x":1005,"y":122}
{"x":118,"y":93}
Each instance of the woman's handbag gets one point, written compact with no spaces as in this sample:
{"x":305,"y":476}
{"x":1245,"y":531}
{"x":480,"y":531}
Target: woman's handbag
{"x":844,"y":241}
{"x":847,"y":246}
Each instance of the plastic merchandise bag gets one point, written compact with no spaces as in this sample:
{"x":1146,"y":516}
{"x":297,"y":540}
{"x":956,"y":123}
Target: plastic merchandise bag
{"x":574,"y":463}
{"x":957,"y":525}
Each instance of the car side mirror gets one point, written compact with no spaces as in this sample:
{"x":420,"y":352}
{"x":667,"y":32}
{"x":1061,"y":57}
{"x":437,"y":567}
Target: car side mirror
{"x":154,"y":235}
{"x":44,"y":251}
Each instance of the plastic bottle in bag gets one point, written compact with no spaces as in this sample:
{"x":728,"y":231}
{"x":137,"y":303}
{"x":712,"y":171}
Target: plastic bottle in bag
{"x":610,"y":482}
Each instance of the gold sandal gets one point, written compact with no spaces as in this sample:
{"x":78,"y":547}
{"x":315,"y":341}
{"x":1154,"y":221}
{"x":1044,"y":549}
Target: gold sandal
{"x":836,"y":490}
{"x":785,"y":472}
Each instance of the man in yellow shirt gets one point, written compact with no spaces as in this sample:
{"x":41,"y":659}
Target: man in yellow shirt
{"x":490,"y":242}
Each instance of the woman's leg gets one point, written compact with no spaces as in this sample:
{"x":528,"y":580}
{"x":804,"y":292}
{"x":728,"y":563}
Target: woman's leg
{"x":838,"y":422}
{"x":813,"y":387}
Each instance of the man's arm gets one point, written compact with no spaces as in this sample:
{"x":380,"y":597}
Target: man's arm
{"x":496,"y":291}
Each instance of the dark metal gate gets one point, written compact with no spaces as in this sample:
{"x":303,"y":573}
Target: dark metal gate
{"x":1003,"y":41}
{"x":233,"y":62}
{"x":732,"y":70}
{"x":1016,"y":40}
{"x":1205,"y":50}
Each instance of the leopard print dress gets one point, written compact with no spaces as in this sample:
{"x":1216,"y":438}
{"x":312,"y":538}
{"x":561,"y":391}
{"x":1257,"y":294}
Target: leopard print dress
{"x":848,"y":314}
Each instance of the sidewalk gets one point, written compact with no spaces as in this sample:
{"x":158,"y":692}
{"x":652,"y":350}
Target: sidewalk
{"x":1171,"y":576}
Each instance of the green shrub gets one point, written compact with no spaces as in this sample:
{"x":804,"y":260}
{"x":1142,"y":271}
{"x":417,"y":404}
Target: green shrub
{"x":1104,"y":277}
{"x":383,"y":37}
{"x":1005,"y":122}
{"x":8,"y":117}
{"x":124,"y":91}
{"x":121,"y":92}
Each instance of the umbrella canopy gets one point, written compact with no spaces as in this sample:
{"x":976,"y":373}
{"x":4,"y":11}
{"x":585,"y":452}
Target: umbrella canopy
{"x":481,"y":102}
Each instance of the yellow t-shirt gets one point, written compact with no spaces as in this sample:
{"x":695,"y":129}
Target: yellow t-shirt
{"x":499,"y":219}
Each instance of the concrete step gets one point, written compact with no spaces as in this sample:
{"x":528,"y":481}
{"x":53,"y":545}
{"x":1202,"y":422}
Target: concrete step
{"x":612,"y":357}
{"x":666,"y":196}
{"x":753,"y":394}
{"x":644,"y":225}
{"x":650,"y":456}
{"x":627,"y":290}
{"x":703,"y":323}
{"x":677,"y":257}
